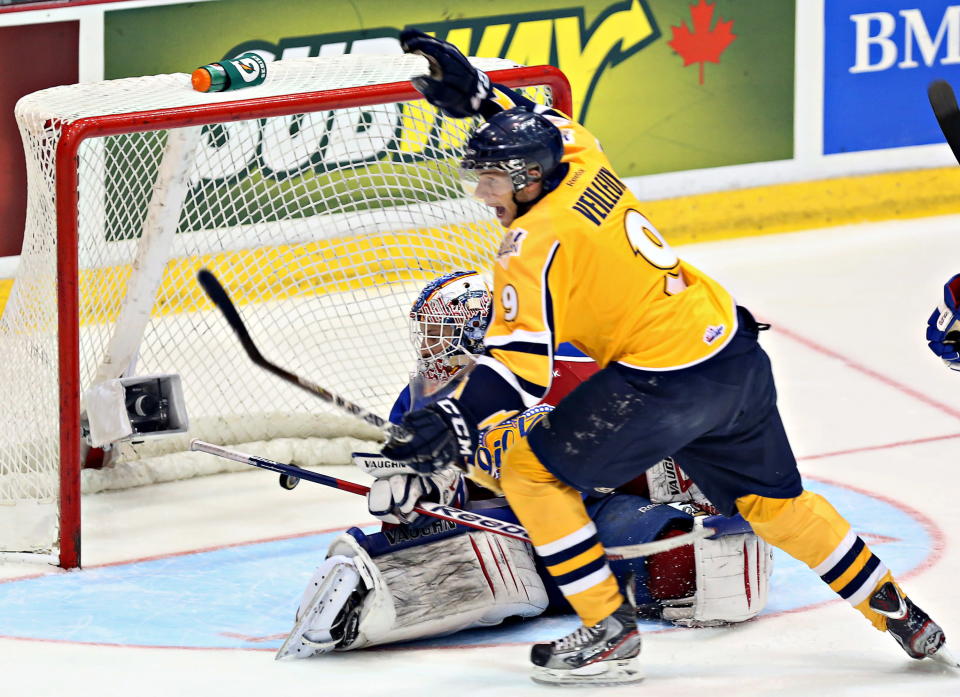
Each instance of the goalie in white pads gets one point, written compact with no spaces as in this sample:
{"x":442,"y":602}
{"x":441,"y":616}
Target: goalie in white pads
{"x":421,"y":577}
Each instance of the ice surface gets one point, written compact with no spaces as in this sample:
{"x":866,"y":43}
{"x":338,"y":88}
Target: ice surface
{"x":872,"y":415}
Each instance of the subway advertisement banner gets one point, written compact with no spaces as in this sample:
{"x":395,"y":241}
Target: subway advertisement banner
{"x":879,"y":57}
{"x":667,"y":85}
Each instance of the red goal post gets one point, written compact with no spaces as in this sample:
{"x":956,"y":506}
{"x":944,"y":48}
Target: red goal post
{"x":70,"y":188}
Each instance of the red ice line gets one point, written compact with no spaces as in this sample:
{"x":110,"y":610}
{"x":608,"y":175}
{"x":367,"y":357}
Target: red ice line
{"x":869,"y":372}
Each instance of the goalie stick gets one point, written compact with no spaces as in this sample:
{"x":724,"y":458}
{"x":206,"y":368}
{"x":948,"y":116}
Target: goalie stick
{"x":218,"y":295}
{"x":718,"y":525}
{"x":944,"y":104}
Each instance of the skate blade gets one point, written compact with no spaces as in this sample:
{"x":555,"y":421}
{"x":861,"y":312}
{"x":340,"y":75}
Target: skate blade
{"x":945,"y":657}
{"x":601,"y":673}
{"x":295,"y":645}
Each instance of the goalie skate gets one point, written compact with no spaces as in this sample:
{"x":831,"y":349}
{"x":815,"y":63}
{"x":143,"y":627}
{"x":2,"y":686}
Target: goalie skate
{"x":335,"y":605}
{"x":605,"y":654}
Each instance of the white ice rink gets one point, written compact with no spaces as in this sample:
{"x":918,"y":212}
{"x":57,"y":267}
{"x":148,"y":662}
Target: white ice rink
{"x":867,"y":407}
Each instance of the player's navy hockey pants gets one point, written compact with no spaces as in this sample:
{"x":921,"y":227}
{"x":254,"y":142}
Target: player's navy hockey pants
{"x":718,"y":419}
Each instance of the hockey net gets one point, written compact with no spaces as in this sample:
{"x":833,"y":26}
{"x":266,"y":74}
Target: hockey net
{"x":322,"y":199}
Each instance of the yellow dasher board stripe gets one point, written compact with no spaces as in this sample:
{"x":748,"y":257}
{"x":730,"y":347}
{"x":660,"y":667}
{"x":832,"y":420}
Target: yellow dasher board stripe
{"x":5,"y":285}
{"x":747,"y":212}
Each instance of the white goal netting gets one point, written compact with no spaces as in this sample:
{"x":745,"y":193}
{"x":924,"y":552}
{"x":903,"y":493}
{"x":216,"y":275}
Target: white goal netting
{"x":322,"y":224}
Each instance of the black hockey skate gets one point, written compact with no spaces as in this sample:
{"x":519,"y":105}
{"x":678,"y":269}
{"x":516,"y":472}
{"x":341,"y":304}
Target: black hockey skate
{"x":605,"y":654}
{"x":913,"y":629}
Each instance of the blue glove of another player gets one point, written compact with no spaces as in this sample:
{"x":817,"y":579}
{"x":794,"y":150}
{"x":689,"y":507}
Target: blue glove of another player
{"x":440,"y":436}
{"x":453,"y":86}
{"x":943,"y":327}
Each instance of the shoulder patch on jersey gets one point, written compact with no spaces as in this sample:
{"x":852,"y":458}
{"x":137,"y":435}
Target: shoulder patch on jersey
{"x":510,"y":245}
{"x":557,"y":121}
{"x":568,"y":135}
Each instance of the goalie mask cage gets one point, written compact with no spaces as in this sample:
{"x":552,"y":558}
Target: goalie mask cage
{"x":322,"y":199}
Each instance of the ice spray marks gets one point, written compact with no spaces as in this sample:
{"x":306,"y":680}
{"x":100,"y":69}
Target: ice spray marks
{"x":246,"y":70}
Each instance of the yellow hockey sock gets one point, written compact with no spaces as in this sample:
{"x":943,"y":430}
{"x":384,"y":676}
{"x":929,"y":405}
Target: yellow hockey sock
{"x":808,"y":528}
{"x":563,"y":534}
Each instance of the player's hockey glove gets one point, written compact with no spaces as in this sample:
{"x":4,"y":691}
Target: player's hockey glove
{"x":454,"y":86}
{"x":943,"y":327}
{"x":440,"y":435}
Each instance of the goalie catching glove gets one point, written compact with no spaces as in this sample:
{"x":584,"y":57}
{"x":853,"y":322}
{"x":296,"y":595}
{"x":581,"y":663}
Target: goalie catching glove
{"x":943,"y":327}
{"x":454,"y":86}
{"x":441,"y":435}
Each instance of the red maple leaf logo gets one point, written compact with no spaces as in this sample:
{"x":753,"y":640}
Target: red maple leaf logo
{"x":702,"y":44}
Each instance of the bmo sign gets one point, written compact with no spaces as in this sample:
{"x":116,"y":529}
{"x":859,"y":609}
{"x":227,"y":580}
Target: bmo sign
{"x":884,"y":40}
{"x":880,"y":55}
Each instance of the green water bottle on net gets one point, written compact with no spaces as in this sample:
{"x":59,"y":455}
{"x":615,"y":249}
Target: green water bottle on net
{"x":246,"y":70}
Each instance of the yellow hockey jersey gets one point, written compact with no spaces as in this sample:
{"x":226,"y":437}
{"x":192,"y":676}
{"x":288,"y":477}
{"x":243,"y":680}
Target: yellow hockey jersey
{"x":584,"y":265}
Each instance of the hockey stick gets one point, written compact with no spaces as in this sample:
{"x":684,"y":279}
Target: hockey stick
{"x":467,"y":518}
{"x":944,"y":104}
{"x":219,"y":297}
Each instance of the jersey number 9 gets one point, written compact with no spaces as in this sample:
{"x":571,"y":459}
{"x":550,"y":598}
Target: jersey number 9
{"x":510,"y":302}
{"x":645,"y":241}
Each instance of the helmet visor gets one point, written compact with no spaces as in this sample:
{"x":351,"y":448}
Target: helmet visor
{"x":484,"y":183}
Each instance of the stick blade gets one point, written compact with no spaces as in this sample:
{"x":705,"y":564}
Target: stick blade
{"x":944,"y":103}
{"x":211,"y":286}
{"x":219,"y":297}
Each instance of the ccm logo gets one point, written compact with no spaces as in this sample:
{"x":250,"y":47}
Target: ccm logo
{"x":460,"y":429}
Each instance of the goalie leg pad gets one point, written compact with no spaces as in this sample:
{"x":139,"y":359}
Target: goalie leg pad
{"x":733,"y":580}
{"x":471,"y":580}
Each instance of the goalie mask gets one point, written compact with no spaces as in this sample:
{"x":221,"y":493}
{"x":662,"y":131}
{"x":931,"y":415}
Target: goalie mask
{"x":448,"y":321}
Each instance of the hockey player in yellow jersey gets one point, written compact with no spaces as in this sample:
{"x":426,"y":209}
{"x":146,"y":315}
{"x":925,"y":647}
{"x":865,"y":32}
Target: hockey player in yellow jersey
{"x":595,"y":243}
{"x":681,"y":372}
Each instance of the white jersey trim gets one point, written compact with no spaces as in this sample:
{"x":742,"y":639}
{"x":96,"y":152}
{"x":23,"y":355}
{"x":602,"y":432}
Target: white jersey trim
{"x":519,"y":335}
{"x":503,"y":371}
{"x":545,"y":312}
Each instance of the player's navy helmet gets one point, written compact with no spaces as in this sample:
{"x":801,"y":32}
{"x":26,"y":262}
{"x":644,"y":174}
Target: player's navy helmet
{"x":515,"y":141}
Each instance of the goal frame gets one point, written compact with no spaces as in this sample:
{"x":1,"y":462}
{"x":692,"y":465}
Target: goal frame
{"x":67,"y":216}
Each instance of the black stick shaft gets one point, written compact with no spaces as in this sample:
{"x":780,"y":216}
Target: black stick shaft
{"x":218,"y":295}
{"x":944,"y":103}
